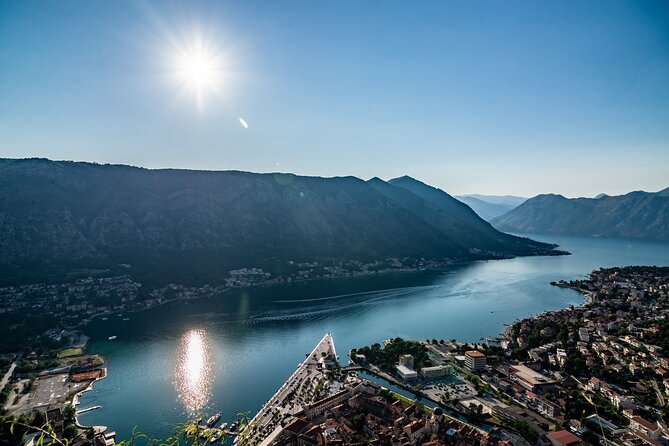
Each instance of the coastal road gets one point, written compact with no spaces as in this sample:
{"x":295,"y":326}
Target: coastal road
{"x":8,"y":375}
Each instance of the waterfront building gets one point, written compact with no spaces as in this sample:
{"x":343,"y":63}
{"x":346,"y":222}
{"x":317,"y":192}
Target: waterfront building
{"x":436,"y":371}
{"x":406,"y":373}
{"x":474,"y":360}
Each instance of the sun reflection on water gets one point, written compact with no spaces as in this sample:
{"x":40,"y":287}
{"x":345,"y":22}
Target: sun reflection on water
{"x":194,"y":371}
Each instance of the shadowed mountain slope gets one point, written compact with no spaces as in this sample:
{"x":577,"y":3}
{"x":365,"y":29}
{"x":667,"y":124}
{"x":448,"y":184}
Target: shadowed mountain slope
{"x":194,"y":226}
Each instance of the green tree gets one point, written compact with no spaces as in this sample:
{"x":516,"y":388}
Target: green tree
{"x":69,"y":412}
{"x":70,"y":431}
{"x":359,"y":421}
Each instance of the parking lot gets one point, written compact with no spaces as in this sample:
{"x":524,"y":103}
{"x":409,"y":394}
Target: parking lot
{"x":46,"y":390}
{"x":452,"y":387}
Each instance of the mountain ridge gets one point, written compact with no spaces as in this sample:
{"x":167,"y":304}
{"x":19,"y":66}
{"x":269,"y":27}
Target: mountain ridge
{"x":195,"y":226}
{"x":637,"y":214}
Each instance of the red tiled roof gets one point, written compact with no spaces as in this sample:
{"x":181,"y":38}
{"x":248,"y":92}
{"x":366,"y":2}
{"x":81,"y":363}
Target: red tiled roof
{"x":297,"y":425}
{"x":77,"y":377}
{"x":564,"y":437}
{"x":645,"y":423}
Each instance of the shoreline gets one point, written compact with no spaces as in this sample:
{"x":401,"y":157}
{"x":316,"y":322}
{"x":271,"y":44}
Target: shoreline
{"x":505,"y":334}
{"x":75,"y":403}
{"x":222,"y":289}
{"x":587,"y":301}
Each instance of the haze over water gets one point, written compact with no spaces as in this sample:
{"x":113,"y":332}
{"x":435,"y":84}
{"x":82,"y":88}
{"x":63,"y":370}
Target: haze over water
{"x":229,"y":353}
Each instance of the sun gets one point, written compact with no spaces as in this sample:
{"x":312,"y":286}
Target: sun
{"x":199,"y":69}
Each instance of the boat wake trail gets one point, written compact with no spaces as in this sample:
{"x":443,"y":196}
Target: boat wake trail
{"x":342,"y":296}
{"x":322,"y":311}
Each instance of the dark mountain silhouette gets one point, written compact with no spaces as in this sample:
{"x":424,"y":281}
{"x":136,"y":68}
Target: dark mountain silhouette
{"x":194,"y":226}
{"x":453,"y":218}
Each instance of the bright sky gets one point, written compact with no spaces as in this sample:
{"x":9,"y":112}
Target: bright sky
{"x":472,"y":97}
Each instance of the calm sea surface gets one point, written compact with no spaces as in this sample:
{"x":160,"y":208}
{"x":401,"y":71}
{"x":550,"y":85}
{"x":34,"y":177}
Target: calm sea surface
{"x":229,"y":353}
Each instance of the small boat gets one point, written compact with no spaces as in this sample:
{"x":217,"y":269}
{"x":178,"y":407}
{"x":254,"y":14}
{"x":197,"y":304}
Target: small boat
{"x":213,"y":419}
{"x":111,"y":338}
{"x":223,"y":426}
{"x":105,"y":318}
{"x":126,"y":318}
{"x":215,"y":437}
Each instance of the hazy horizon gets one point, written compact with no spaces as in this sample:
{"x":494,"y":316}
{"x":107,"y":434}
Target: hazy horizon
{"x":495,"y":98}
{"x":472,"y":194}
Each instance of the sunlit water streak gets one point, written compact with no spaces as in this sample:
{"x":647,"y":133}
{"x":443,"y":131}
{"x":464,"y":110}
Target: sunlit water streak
{"x":194,"y":371}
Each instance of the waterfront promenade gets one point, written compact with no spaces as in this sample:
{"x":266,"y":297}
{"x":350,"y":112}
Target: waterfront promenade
{"x":292,"y":396}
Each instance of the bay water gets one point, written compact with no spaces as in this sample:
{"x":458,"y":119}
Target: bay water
{"x":228,"y":353}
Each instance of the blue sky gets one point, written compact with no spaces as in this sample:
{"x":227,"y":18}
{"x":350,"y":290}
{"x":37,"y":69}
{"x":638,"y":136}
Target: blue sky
{"x":473,"y":97}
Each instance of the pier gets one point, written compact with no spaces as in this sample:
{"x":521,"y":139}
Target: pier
{"x":284,"y":402}
{"x":88,"y":409}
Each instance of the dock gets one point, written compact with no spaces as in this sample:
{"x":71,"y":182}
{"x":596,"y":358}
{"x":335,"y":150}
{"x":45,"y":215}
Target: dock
{"x":88,"y":409}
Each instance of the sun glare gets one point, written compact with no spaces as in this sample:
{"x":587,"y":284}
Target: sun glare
{"x":193,"y":372}
{"x":199,"y":70}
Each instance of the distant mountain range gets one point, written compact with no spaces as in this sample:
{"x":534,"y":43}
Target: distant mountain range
{"x":642,"y":215}
{"x":491,"y":206}
{"x":194,"y":226}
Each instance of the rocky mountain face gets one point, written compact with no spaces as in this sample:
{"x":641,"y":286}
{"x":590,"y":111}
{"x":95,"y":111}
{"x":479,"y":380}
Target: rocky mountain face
{"x":641,"y":215}
{"x":194,"y":226}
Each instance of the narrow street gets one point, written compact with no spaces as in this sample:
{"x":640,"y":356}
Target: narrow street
{"x":8,"y":375}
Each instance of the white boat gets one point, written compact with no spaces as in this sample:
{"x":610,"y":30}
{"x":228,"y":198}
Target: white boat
{"x":111,"y":338}
{"x":213,"y":419}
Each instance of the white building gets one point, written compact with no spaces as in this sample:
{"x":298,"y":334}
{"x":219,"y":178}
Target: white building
{"x":474,"y":360}
{"x":406,"y":373}
{"x":436,"y":371}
